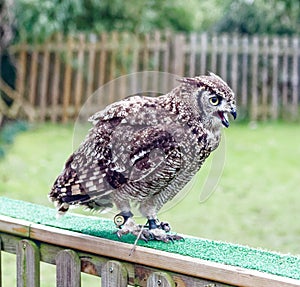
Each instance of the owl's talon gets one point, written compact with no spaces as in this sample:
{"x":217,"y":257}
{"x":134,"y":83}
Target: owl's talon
{"x":145,"y":236}
{"x":165,"y":226}
{"x":154,"y":223}
{"x":128,"y":227}
{"x":159,"y":234}
{"x":174,"y":237}
{"x":119,"y":234}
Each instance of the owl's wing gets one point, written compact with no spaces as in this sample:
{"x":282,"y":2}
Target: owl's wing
{"x":83,"y":176}
{"x":155,"y":156}
{"x":120,"y":109}
{"x":123,"y":147}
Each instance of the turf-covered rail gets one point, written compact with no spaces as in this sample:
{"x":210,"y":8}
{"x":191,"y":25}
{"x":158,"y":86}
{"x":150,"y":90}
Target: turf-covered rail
{"x":88,"y":244}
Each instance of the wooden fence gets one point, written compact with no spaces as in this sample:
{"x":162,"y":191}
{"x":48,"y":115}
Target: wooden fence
{"x":56,"y":78}
{"x":73,"y":253}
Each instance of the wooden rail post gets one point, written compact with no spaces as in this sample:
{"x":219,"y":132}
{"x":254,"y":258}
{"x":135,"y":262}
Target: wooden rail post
{"x":160,"y":279}
{"x":68,"y":269}
{"x":67,"y":79}
{"x":275,"y":67}
{"x":178,"y":55}
{"x":254,"y":100}
{"x":28,"y":264}
{"x":295,"y":77}
{"x":57,"y":74}
{"x":113,"y":274}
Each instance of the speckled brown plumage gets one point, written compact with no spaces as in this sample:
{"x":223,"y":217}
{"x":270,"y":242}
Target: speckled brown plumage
{"x":146,"y":149}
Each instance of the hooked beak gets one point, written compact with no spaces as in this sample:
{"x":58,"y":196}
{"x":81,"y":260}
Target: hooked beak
{"x":233,"y":113}
{"x":224,"y":118}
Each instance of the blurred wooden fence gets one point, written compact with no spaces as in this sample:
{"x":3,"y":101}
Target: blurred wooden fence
{"x":56,"y":78}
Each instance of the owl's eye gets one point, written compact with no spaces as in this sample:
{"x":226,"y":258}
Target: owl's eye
{"x":214,"y":101}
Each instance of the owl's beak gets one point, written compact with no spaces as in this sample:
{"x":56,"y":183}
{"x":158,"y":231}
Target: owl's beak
{"x":224,"y":118}
{"x":233,"y":113}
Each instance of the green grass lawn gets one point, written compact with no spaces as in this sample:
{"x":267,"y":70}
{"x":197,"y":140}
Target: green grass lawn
{"x":256,"y":201}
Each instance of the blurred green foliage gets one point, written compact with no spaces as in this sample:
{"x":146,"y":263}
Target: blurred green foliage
{"x":37,"y":20}
{"x":261,"y":17}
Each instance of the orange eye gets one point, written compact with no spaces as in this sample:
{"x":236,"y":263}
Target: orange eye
{"x":214,"y":101}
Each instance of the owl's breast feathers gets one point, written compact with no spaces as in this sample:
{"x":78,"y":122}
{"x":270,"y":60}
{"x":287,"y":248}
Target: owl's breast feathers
{"x":137,"y":147}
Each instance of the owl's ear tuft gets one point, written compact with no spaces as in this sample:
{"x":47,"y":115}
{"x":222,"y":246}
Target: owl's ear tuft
{"x":217,"y":77}
{"x":191,"y":81}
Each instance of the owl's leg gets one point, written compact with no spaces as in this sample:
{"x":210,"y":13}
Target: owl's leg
{"x":129,"y":227}
{"x":156,"y":230}
{"x":124,"y":221}
{"x":159,"y":231}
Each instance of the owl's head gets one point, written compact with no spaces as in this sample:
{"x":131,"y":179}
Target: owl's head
{"x":212,"y":97}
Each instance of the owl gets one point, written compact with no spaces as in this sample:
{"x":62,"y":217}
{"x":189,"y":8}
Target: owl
{"x":143,"y":151}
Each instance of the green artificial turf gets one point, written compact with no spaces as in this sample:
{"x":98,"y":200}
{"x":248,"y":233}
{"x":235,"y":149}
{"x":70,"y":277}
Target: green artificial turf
{"x":226,"y":253}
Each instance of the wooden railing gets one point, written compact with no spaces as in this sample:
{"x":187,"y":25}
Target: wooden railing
{"x":54,"y":79}
{"x":73,"y":253}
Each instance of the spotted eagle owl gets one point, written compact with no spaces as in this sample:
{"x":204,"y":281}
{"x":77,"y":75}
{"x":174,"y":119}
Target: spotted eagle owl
{"x":145,"y":150}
